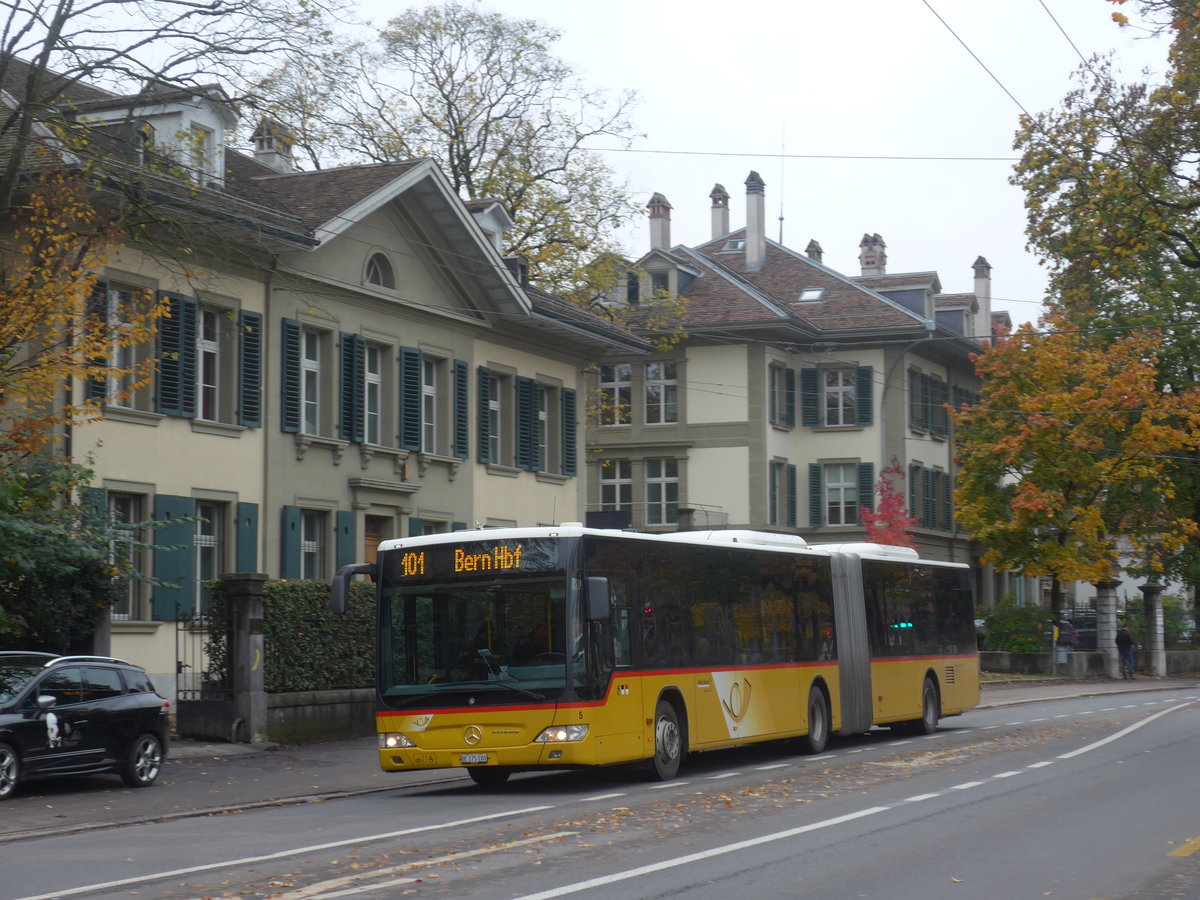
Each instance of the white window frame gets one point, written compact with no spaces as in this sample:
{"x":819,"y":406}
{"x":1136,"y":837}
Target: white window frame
{"x":208,"y":364}
{"x":840,"y":490}
{"x":616,"y":387}
{"x":839,"y":397}
{"x":127,"y":508}
{"x":430,"y":378}
{"x":661,"y":390}
{"x":662,"y":491}
{"x":541,"y":426}
{"x":209,"y":542}
{"x":373,"y":393}
{"x":312,"y":543}
{"x":616,"y":485}
{"x":310,"y":381}
{"x":495,"y":415}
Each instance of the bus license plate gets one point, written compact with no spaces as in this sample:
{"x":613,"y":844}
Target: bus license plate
{"x":472,"y":759}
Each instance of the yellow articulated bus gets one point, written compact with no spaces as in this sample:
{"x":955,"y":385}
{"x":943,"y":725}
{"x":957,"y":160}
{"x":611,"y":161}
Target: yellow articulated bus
{"x":513,"y":649}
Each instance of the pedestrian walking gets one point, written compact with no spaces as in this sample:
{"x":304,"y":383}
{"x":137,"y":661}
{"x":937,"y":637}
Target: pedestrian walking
{"x":1125,"y":651}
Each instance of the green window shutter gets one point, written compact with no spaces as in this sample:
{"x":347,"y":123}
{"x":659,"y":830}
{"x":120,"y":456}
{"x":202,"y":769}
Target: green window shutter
{"x":95,"y":502}
{"x":483,"y":381}
{"x":929,"y":507}
{"x":772,"y":493}
{"x":791,"y":496}
{"x":412,"y":361}
{"x":177,"y":357}
{"x":462,"y":410}
{"x":815,"y":501}
{"x":866,"y":485}
{"x":914,"y":398}
{"x":352,"y":424}
{"x":347,"y":542}
{"x":96,"y":387}
{"x":247,"y":537}
{"x":175,"y":567}
{"x":570,"y":455}
{"x":810,"y":398}
{"x":926,"y":393}
{"x":250,"y":336}
{"x":458,"y":526}
{"x":416,"y":527}
{"x":865,"y":395}
{"x":914,"y":491}
{"x":772,"y":399}
{"x":947,"y":523}
{"x":289,"y":543}
{"x":526,"y":423}
{"x":289,"y":415}
{"x":789,"y":397}
{"x":941,"y":416}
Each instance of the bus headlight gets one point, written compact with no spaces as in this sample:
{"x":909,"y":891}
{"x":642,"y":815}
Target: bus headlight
{"x":394,"y":741}
{"x":561,"y":734}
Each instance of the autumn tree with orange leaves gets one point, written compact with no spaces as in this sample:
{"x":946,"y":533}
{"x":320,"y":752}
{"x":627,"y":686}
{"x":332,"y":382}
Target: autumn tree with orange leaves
{"x":53,"y":334}
{"x":1070,"y":447}
{"x":889,"y":522}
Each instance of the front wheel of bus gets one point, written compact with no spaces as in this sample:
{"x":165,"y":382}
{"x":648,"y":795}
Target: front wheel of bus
{"x":489,"y":776}
{"x":668,"y":742}
{"x":818,"y":722}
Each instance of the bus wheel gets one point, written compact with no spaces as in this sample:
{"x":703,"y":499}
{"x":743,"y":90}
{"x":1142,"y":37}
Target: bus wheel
{"x":668,"y":742}
{"x":818,"y":722}
{"x":489,"y":776}
{"x":930,"y":713}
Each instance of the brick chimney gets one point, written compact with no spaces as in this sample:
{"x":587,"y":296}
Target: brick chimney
{"x":660,"y":222}
{"x":720,"y":211}
{"x":756,"y":222}
{"x":872,"y":255}
{"x":273,"y":146}
{"x":813,"y":251}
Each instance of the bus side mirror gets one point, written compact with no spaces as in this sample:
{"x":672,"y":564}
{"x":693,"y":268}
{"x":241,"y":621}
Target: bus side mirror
{"x":596,"y":598}
{"x":340,"y":586}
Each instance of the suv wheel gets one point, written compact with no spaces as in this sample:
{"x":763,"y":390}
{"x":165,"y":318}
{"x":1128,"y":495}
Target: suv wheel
{"x":143,"y":761}
{"x":10,"y":771}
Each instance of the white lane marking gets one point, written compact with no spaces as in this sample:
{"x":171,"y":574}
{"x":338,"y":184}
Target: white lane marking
{"x":919,"y":797}
{"x":282,"y":854}
{"x":898,"y":743}
{"x":775,"y":766}
{"x":1009,"y":774}
{"x":1124,"y":731}
{"x":578,"y":886}
{"x":723,"y":775}
{"x":857,"y":750}
{"x":966,"y":785}
{"x":336,"y":887}
{"x":1041,"y":765}
{"x":1040,"y":719}
{"x":669,"y":784}
{"x":819,"y":758}
{"x":599,"y":797}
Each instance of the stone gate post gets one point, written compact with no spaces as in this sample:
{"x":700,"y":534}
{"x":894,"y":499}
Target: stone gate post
{"x":1106,"y":623}
{"x":1156,"y":651}
{"x":244,"y":591}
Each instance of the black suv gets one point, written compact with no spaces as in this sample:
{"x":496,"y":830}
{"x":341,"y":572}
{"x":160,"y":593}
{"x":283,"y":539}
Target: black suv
{"x":78,"y":715}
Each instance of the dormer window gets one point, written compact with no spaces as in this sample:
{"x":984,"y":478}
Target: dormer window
{"x":733,"y":247}
{"x":811,"y":295}
{"x":660,"y":283}
{"x":201,"y":151}
{"x":379,"y":271}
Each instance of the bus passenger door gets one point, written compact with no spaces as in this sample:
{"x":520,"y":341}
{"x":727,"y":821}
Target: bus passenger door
{"x":618,"y":726}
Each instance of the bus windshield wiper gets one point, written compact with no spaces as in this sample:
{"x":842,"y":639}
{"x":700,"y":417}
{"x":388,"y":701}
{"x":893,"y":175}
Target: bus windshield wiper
{"x":504,"y":684}
{"x":458,"y":686}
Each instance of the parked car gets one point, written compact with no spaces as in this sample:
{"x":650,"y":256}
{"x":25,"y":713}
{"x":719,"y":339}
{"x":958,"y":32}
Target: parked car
{"x":78,"y":715}
{"x":1085,"y":624}
{"x":1067,"y":635}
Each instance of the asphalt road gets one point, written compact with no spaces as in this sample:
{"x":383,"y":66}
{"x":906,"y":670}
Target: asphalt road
{"x":1081,"y":797}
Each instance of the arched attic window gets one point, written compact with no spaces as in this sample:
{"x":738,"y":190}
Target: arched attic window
{"x":379,"y":271}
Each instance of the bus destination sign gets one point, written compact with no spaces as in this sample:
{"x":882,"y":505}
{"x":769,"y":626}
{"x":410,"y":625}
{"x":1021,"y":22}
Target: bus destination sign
{"x":475,"y":558}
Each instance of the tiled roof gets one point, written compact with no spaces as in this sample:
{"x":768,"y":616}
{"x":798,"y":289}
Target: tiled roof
{"x":727,"y":293}
{"x":320,"y":196}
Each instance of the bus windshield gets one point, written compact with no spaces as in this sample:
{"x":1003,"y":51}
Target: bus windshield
{"x":487,"y":642}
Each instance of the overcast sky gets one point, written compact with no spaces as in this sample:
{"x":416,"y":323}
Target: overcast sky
{"x":786,"y":87}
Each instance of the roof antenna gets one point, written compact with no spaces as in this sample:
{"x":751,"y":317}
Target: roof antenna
{"x":782,"y":155}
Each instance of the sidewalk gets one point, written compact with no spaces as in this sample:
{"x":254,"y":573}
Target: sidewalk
{"x":1009,"y":693}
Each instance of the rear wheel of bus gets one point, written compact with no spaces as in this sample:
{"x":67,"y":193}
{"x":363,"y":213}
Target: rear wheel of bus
{"x":818,"y":722}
